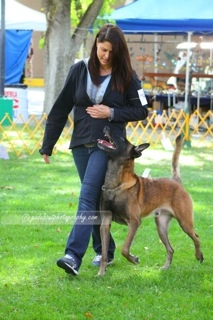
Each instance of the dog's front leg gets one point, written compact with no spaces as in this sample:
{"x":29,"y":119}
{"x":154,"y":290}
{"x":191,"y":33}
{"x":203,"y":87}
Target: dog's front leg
{"x":133,"y":227}
{"x":105,"y":236}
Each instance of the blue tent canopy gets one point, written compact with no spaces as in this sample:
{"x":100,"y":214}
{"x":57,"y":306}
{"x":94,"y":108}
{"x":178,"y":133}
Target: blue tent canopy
{"x":17,"y":45}
{"x":154,"y":16}
{"x":166,"y":17}
{"x":19,"y":22}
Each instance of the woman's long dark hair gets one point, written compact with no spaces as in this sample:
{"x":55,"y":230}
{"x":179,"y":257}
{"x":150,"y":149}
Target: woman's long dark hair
{"x":121,"y":64}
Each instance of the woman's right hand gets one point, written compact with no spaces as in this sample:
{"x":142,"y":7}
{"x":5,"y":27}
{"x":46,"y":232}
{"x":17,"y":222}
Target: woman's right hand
{"x":46,"y":158}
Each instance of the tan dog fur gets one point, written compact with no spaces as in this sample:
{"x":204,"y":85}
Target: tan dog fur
{"x":128,"y":198}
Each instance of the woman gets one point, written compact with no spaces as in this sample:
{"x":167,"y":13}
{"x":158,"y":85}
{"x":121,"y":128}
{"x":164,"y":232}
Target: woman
{"x":102,"y":90}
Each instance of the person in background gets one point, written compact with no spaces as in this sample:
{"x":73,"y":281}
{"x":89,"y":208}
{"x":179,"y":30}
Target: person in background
{"x":28,"y":66}
{"x":102,"y":90}
{"x":29,"y":62}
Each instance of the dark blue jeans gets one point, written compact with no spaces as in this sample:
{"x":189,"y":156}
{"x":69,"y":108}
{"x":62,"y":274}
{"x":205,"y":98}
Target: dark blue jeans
{"x":91,"y":164}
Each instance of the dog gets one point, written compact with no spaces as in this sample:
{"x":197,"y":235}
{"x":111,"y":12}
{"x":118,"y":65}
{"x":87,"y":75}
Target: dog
{"x":128,"y":198}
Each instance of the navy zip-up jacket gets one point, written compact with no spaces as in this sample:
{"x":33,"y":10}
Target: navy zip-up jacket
{"x":127,"y":107}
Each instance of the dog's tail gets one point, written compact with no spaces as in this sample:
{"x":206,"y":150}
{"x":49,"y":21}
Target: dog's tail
{"x":175,"y":159}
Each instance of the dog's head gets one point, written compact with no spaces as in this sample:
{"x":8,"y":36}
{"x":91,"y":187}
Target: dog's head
{"x":118,"y":147}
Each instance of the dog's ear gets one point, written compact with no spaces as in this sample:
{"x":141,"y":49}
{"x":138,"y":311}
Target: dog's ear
{"x":138,"y":150}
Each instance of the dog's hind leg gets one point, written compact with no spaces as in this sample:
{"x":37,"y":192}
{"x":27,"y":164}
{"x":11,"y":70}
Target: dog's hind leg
{"x":162,"y":220}
{"x":189,"y":230}
{"x":133,"y":226}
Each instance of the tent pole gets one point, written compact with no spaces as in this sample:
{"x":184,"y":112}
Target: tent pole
{"x":155,"y":52}
{"x":2,"y":48}
{"x":186,"y":102}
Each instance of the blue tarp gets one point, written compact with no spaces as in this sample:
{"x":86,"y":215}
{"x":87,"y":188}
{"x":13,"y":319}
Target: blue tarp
{"x":17,"y":44}
{"x":166,"y":16}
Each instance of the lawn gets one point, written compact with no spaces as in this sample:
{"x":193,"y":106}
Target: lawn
{"x":38,"y":204}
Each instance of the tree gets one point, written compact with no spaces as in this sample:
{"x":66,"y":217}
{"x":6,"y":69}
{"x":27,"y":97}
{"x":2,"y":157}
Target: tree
{"x":64,"y":37}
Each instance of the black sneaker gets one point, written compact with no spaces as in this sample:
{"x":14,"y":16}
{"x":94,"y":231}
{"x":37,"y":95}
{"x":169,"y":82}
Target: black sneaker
{"x":97,"y":261}
{"x":68,"y":264}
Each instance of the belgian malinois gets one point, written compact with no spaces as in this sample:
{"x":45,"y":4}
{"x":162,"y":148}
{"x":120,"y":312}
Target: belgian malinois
{"x":127,"y":198}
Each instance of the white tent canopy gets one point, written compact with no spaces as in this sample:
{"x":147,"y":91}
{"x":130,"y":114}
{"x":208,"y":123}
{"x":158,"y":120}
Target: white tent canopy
{"x":20,"y":17}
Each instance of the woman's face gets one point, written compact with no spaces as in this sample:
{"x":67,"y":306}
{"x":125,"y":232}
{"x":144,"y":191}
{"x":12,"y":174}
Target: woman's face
{"x":104,"y":54}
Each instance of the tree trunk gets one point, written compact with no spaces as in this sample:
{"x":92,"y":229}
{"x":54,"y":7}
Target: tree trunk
{"x":57,"y":47}
{"x":61,"y":47}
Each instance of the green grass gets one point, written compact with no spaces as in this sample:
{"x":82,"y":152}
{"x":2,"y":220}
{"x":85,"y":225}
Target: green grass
{"x":37,"y":206}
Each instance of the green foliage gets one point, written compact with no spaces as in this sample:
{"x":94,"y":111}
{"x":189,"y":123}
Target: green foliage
{"x":41,"y":43}
{"x":37,"y":205}
{"x":79,"y":7}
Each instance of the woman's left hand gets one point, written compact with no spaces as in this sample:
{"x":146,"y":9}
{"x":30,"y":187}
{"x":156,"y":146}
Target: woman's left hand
{"x":99,"y":111}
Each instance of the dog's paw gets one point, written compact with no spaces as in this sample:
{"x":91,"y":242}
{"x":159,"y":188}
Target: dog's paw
{"x":101,"y":273}
{"x":137,"y":261}
{"x":165,"y":267}
{"x":134,"y":259}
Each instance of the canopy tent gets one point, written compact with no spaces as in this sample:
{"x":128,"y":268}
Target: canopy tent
{"x":20,"y":17}
{"x":164,"y":17}
{"x":154,"y":16}
{"x":20,"y":21}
